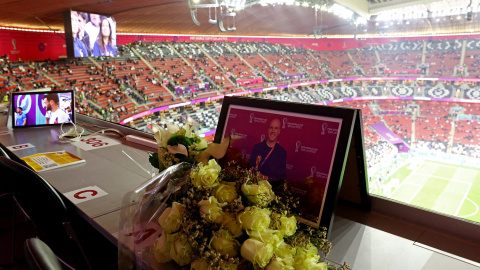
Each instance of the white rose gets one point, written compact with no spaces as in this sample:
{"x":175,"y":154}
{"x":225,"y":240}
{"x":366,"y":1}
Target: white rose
{"x":307,"y":258}
{"x":206,"y":176}
{"x":181,"y":250}
{"x":225,"y":192}
{"x":255,"y":219}
{"x":232,"y":225}
{"x":257,"y":252}
{"x":284,"y":251}
{"x":280,"y":264}
{"x":172,"y":218}
{"x":161,"y":248}
{"x":288,"y":225}
{"x":224,"y":243}
{"x":260,"y":193}
{"x":211,"y":210}
{"x":268,"y":236}
{"x":275,"y":265}
{"x":199,"y":265}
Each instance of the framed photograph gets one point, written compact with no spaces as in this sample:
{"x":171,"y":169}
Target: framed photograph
{"x":304,"y":145}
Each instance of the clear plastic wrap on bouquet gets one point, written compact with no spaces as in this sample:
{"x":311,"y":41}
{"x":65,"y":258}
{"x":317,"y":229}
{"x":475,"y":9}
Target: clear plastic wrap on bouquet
{"x":139,"y":228}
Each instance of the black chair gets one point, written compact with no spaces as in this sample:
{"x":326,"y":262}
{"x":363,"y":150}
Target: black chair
{"x":39,"y":256}
{"x":3,"y":153}
{"x":46,"y":209}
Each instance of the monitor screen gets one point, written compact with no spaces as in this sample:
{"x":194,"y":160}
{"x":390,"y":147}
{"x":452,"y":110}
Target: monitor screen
{"x":90,"y":34}
{"x":44,"y":108}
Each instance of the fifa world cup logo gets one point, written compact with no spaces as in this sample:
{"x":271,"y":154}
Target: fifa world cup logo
{"x":232,"y":132}
{"x":262,"y":138}
{"x":324,"y":127}
{"x":297,"y":145}
{"x":14,"y":43}
{"x":285,"y":120}
{"x":312,"y":171}
{"x":251,"y":117}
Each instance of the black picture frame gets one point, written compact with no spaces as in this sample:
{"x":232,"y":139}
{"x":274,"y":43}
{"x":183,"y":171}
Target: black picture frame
{"x":347,"y":117}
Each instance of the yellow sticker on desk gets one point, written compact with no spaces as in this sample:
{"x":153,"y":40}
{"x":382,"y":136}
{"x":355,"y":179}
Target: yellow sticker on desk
{"x":52,"y":160}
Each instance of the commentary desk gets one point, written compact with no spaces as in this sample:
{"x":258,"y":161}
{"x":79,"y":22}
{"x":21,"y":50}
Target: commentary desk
{"x":115,"y":169}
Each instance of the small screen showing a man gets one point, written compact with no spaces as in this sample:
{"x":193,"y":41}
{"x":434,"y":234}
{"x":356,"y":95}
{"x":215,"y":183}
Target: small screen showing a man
{"x":54,"y":114}
{"x":21,"y":118}
{"x":269,"y":157}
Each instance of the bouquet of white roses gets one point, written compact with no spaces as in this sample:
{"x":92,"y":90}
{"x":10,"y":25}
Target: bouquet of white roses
{"x":206,"y":217}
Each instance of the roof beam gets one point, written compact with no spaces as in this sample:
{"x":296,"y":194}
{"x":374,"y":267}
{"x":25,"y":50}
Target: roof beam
{"x":358,"y":6}
{"x":378,"y":7}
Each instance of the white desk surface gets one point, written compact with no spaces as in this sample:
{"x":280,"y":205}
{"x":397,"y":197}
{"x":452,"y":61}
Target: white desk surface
{"x":119,"y":168}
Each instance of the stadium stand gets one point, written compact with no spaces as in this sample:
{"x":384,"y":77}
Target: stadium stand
{"x":147,"y":75}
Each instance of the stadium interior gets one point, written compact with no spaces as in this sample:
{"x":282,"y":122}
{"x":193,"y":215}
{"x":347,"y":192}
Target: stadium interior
{"x":415,"y":68}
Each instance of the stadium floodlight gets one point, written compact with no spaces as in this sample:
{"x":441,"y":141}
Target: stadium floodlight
{"x":220,"y":25}
{"x":193,"y":14}
{"x":360,"y":20}
{"x":214,"y":19}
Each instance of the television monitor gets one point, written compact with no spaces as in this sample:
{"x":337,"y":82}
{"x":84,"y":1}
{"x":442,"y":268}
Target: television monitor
{"x":90,"y":34}
{"x":44,"y":108}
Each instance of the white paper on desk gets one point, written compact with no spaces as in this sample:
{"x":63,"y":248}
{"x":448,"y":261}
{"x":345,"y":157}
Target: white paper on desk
{"x":20,"y":146}
{"x":95,"y":142}
{"x":85,"y":194}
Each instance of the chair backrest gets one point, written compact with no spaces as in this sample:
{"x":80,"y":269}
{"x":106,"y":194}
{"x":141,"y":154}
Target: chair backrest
{"x":39,"y":256}
{"x":44,"y":206}
{"x":3,"y":153}
{"x":38,"y":199}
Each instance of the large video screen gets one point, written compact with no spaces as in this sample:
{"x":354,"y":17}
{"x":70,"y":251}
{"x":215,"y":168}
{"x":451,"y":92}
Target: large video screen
{"x":90,"y":34}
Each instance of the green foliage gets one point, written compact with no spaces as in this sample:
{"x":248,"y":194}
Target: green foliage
{"x":153,"y":158}
{"x":179,"y":139}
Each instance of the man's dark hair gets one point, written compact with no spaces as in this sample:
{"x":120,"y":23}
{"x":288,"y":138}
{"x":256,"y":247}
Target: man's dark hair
{"x":53,"y":97}
{"x":83,"y":15}
{"x":20,"y":108}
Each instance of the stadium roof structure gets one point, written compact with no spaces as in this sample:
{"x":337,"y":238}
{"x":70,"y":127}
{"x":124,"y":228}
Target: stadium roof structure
{"x":257,"y":18}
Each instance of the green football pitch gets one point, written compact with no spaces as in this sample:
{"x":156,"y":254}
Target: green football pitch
{"x":441,"y":187}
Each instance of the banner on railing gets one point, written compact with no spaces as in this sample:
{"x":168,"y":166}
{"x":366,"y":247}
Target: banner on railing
{"x":192,"y":89}
{"x":402,"y":71}
{"x":250,"y":81}
{"x":391,"y":137}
